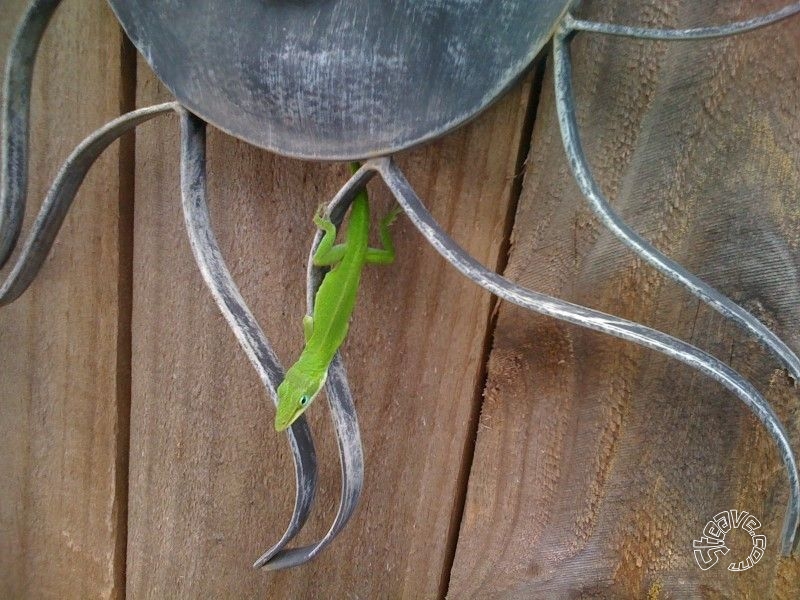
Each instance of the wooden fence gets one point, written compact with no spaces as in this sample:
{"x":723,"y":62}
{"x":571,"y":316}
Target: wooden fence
{"x":508,"y":455}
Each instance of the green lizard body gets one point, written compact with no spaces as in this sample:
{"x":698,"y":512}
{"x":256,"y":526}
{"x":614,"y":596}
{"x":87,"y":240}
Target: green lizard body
{"x":325,"y":330}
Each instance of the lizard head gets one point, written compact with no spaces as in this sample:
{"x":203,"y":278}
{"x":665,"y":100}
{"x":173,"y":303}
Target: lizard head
{"x":295,"y":394}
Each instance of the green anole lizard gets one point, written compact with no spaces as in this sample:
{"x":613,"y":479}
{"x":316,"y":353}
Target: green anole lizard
{"x":326,"y":329}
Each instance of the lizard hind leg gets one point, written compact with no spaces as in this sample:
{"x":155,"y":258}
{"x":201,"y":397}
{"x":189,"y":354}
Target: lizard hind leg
{"x":308,"y":327}
{"x":386,"y":254}
{"x":327,"y":253}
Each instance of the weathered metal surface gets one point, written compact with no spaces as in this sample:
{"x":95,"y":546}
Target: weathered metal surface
{"x":259,"y":351}
{"x":598,"y":321}
{"x":338,"y":79}
{"x":60,"y":196}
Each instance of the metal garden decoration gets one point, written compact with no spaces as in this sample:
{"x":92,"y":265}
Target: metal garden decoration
{"x":348,"y":81}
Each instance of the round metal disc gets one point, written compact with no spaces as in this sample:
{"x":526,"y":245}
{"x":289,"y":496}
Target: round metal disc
{"x":338,"y":79}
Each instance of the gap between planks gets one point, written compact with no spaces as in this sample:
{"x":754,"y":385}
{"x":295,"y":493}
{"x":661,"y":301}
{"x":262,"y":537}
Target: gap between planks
{"x":124,"y":381}
{"x":468,"y":454}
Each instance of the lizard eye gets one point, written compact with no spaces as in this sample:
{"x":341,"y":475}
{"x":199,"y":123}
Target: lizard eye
{"x":303,"y":400}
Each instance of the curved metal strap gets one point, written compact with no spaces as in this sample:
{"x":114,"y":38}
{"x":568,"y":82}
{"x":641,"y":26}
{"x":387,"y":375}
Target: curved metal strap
{"x":698,"y":33}
{"x":61,"y":194}
{"x":343,"y":413}
{"x":15,"y":121}
{"x":351,"y":460}
{"x":565,"y":107}
{"x":592,"y":319}
{"x":230,"y":302}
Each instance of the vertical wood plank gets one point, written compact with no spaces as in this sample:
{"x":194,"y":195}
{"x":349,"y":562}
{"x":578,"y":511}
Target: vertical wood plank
{"x":598,"y":463}
{"x":211,"y":482}
{"x":64,"y":384}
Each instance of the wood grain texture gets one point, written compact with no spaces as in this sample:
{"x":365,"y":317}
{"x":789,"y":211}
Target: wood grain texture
{"x":211,"y":482}
{"x":64,"y":344}
{"x":597,"y":463}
